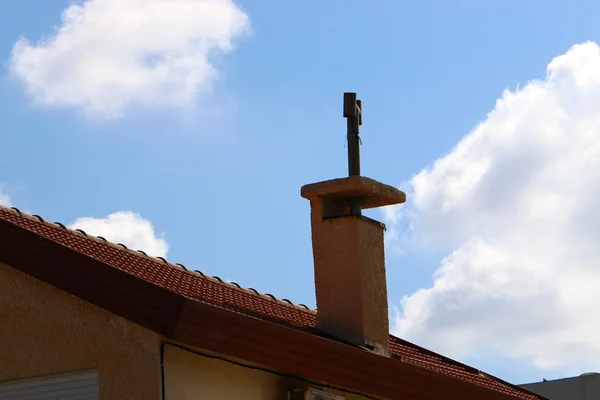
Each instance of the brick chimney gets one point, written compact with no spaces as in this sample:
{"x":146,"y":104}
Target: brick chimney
{"x":348,"y":249}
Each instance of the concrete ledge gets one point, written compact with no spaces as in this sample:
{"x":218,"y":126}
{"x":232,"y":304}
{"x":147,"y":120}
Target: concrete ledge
{"x":371,"y":192}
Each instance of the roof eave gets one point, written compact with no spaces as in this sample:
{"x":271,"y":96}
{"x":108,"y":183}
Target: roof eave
{"x":232,"y":334}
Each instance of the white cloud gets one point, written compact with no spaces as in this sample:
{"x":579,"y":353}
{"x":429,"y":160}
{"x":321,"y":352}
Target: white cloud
{"x":127,"y":228}
{"x":5,"y":198}
{"x":110,"y":54}
{"x":516,"y":207}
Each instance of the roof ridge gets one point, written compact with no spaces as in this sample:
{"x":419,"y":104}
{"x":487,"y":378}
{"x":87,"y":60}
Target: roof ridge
{"x":160,"y":260}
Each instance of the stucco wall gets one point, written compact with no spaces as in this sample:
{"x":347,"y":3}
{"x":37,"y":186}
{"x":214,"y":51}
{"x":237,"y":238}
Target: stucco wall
{"x":45,"y":331}
{"x":189,"y":376}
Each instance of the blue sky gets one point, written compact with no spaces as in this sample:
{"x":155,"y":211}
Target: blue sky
{"x":218,"y":173}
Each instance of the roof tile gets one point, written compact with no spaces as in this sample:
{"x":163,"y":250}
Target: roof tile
{"x":231,"y":296}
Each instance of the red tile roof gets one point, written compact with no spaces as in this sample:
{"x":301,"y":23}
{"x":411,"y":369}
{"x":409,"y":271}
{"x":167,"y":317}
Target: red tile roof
{"x":230,"y":296}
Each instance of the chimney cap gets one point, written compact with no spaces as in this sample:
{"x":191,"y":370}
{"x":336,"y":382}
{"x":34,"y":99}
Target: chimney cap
{"x":371,"y":192}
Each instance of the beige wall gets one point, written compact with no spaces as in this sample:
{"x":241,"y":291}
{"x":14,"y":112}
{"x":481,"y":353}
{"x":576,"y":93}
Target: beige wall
{"x":44,"y":331}
{"x":189,"y":376}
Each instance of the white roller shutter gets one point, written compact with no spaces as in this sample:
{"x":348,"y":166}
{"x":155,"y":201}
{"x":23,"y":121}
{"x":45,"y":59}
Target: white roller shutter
{"x":76,"y":386}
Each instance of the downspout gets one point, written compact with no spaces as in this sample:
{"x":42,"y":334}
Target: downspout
{"x":162,"y":370}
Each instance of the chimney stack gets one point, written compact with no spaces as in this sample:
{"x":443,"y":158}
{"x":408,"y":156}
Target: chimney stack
{"x":348,"y":249}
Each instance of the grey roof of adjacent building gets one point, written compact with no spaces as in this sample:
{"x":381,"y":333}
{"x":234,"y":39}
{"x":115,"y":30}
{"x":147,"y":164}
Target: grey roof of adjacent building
{"x":583,"y":387}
